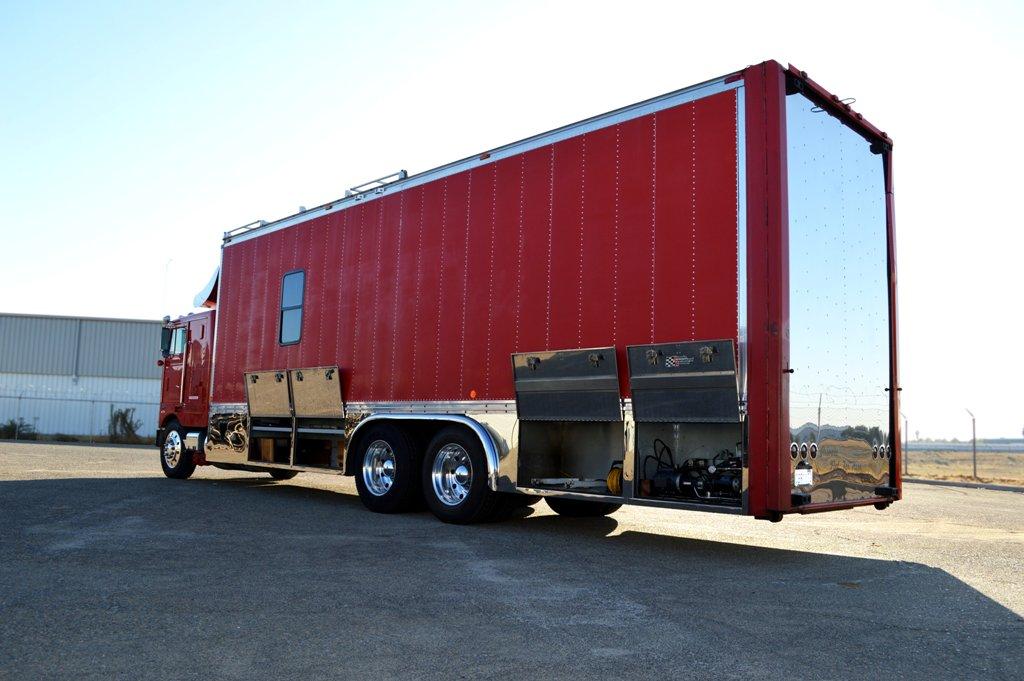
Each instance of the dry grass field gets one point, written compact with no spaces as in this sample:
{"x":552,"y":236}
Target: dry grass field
{"x":994,"y":467}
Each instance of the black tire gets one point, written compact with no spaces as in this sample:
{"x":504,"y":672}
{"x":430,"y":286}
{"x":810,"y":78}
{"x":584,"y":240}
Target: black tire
{"x":473,"y":502}
{"x":573,"y":508}
{"x":175,"y":461}
{"x":384,"y":489}
{"x":282,"y":474}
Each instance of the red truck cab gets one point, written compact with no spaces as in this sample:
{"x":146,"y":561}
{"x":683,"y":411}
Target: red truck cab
{"x":187,"y":350}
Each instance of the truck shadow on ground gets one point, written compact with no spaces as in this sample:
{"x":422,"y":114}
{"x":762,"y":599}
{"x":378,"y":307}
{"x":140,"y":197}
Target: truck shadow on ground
{"x":536,"y":589}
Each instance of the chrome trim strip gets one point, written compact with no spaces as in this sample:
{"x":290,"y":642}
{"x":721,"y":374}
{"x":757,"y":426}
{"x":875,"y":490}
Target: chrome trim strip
{"x":184,"y":370}
{"x":689,"y":94}
{"x":742,"y":280}
{"x":490,"y":450}
{"x":229,"y":408}
{"x":566,"y":494}
{"x":741,"y":241}
{"x":689,"y":374}
{"x":319,"y":431}
{"x":433,"y":407}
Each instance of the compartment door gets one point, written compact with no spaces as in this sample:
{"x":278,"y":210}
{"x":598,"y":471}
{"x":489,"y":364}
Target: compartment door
{"x":268,"y":394}
{"x":316,"y":393}
{"x":690,"y":382}
{"x":567,"y":385}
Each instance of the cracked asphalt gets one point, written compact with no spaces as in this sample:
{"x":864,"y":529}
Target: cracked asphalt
{"x":107,"y":569}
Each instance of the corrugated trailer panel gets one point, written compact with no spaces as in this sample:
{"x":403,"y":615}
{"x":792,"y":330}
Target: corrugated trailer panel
{"x":423,"y":293}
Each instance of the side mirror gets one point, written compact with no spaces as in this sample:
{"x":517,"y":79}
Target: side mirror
{"x":165,"y":341}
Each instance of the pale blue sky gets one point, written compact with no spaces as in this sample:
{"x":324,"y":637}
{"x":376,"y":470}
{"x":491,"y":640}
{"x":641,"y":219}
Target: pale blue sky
{"x":133,"y":134}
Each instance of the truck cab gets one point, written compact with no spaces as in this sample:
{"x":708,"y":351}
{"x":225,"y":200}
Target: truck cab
{"x":186,"y":350}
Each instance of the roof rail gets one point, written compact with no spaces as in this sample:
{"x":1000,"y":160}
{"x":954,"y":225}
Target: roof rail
{"x":377,"y":184}
{"x":255,"y":224}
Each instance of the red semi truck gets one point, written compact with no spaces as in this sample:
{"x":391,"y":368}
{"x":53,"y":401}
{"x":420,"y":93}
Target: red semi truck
{"x":686,"y":303}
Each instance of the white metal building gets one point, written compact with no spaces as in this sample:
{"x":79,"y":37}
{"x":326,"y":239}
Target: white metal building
{"x":66,"y":374}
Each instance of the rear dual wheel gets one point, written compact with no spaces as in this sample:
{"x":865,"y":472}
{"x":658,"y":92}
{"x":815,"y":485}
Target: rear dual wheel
{"x":454,"y":478}
{"x":388,"y":475}
{"x":451,"y":476}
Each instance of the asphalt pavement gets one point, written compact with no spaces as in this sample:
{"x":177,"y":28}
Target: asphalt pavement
{"x":107,"y":569}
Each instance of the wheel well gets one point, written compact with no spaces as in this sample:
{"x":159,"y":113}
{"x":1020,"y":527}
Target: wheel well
{"x":161,"y":432}
{"x":422,"y":430}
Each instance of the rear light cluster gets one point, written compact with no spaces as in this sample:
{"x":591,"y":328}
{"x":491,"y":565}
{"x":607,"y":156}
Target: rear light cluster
{"x":803,"y":450}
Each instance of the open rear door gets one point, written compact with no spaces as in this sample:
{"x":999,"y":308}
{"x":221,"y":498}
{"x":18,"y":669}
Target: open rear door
{"x":839,"y":309}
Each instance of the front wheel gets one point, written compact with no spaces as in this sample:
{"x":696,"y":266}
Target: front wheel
{"x":282,"y":474}
{"x":175,"y":460}
{"x":455,"y":478}
{"x":574,"y":508}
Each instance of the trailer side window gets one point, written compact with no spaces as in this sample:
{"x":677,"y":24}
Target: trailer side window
{"x":292,"y":289}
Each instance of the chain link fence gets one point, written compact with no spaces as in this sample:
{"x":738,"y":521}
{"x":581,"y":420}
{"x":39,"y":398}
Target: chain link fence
{"x":84,"y":419}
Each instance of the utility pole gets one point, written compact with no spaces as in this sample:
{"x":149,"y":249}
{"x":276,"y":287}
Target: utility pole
{"x":817,"y":436}
{"x":974,"y":443}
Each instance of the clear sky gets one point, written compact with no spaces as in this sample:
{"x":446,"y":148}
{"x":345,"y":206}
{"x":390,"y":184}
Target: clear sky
{"x":133,"y":134}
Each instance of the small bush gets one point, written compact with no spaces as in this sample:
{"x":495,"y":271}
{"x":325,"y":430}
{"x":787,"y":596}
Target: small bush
{"x":17,"y":430}
{"x":64,"y":437}
{"x":123,"y":426}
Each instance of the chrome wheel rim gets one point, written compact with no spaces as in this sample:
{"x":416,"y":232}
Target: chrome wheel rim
{"x":172,"y":449}
{"x":452,"y":474}
{"x":379,"y":468}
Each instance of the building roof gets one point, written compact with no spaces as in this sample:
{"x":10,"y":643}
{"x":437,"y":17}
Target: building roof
{"x":79,"y":346}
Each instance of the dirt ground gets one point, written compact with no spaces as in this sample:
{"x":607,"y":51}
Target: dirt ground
{"x":108,"y":569}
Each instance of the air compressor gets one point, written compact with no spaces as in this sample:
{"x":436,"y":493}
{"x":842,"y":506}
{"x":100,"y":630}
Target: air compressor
{"x":719,"y":478}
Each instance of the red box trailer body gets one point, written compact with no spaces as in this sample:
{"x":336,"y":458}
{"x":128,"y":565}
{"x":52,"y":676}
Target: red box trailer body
{"x":639,"y":268}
